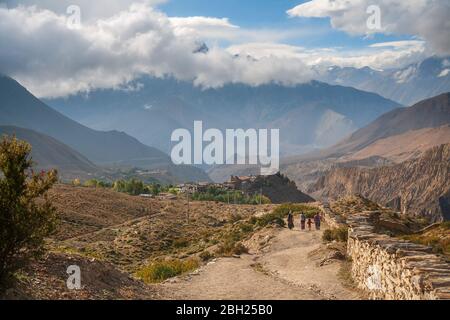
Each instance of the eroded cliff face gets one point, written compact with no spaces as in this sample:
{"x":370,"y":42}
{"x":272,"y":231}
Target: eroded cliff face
{"x":419,"y":187}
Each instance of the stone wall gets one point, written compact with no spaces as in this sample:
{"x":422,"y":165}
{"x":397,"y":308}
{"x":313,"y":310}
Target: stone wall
{"x":390,"y":268}
{"x":333,"y":220}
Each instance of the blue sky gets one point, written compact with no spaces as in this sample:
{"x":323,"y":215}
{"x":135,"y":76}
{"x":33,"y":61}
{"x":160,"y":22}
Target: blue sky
{"x":272,"y":14}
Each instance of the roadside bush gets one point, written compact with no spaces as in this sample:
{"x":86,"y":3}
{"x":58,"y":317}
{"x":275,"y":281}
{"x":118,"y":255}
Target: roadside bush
{"x":239,"y":249}
{"x":338,"y":234}
{"x":27,"y":216}
{"x":270,"y":218}
{"x":246,"y":228}
{"x":230,"y":248}
{"x":206,"y":256}
{"x":162,"y":270}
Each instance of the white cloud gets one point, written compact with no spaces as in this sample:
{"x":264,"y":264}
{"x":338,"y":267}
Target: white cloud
{"x":427,"y":19}
{"x":444,"y":73}
{"x":38,"y":49}
{"x":199,"y":22}
{"x":90,"y":9}
{"x":377,"y":56}
{"x":399,"y":44}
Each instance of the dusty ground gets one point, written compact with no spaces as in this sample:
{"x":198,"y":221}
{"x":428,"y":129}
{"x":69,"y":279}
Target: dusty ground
{"x":282,"y":269}
{"x":109,"y":235}
{"x":46,"y":280}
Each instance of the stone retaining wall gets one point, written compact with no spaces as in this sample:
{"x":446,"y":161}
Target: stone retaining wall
{"x":390,"y":268}
{"x":333,"y":220}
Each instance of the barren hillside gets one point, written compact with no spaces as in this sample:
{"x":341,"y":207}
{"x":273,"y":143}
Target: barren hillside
{"x":416,"y":187}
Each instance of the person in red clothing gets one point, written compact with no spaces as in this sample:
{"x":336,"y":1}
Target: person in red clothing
{"x":309,"y":223}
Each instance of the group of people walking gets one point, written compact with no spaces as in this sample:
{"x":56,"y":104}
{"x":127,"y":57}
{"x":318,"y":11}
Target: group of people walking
{"x":304,"y":221}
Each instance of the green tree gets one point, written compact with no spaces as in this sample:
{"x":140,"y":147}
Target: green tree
{"x":27,"y":216}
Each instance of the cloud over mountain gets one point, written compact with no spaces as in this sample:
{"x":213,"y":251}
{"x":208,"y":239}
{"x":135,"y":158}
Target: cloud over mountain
{"x":427,"y":19}
{"x":38,"y":48}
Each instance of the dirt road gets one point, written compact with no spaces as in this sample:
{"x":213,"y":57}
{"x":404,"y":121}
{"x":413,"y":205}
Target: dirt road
{"x":281,"y":270}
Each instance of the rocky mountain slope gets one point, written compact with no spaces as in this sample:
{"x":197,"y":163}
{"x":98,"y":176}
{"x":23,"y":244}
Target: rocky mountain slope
{"x":416,"y":187}
{"x":49,"y":153}
{"x":396,"y":136}
{"x":430,"y":113}
{"x":402,"y":147}
{"x":278,"y":188}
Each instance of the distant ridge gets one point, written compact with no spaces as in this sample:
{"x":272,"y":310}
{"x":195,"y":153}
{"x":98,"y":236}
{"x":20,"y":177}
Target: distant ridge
{"x":49,"y":153}
{"x":19,"y":108}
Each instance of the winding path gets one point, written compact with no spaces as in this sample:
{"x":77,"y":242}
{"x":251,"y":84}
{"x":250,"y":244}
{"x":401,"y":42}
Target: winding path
{"x":282,"y":270}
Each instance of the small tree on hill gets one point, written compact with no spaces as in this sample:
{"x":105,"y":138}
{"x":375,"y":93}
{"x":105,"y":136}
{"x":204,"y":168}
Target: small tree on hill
{"x":26,"y":214}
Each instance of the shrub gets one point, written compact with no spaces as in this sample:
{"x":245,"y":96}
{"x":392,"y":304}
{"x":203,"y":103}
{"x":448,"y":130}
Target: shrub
{"x":161,"y":270}
{"x":235,"y":217}
{"x":445,"y":225}
{"x":180,"y":243}
{"x":133,"y":187}
{"x":230,"y":248}
{"x":338,"y":234}
{"x":25,"y":222}
{"x":206,"y":255}
{"x":246,"y":228}
{"x":270,"y":218}
{"x":222,"y":195}
{"x":239,"y":249}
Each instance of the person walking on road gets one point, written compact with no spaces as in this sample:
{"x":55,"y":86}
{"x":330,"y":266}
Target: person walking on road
{"x":303,"y":221}
{"x":317,"y":221}
{"x":290,"y":220}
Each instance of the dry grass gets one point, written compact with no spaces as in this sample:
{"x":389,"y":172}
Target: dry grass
{"x":127,"y":230}
{"x":338,"y":234}
{"x":353,"y":204}
{"x":438,"y":238}
{"x":159,"y":271}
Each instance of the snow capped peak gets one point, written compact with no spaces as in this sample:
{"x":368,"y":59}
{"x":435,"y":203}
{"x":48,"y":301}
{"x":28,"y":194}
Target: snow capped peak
{"x":444,"y":73}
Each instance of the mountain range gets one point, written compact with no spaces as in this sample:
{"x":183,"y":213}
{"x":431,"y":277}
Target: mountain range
{"x":309,"y":116}
{"x":407,"y":86}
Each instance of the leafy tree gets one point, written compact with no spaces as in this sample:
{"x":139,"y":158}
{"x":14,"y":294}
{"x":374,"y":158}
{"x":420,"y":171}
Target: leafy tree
{"x":132,"y":187}
{"x":27,"y":216}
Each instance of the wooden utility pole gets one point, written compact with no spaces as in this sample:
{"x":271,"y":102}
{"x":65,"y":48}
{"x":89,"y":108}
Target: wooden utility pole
{"x":188,"y":208}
